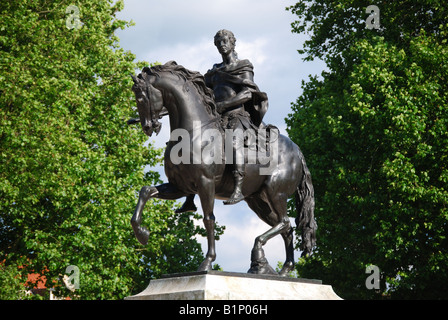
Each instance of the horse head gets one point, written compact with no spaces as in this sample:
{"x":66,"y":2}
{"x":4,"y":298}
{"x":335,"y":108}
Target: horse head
{"x":187,"y":97}
{"x":149,"y":104}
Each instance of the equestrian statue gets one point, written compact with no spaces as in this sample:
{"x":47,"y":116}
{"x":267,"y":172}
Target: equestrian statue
{"x":226,"y":152}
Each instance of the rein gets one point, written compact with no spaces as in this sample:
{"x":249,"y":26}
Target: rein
{"x":214,"y":120}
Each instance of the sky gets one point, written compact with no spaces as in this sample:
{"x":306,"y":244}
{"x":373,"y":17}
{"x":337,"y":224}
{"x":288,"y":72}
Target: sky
{"x":183,"y":31}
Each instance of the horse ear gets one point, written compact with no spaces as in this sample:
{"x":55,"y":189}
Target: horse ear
{"x":171,"y":63}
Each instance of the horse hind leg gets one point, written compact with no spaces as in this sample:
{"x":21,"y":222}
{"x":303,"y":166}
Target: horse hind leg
{"x":279,"y":205}
{"x":280,"y":224}
{"x":288,"y":238}
{"x":259,"y":262}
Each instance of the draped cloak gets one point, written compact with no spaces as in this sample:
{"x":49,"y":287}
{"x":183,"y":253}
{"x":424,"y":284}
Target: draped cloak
{"x":258,"y":105}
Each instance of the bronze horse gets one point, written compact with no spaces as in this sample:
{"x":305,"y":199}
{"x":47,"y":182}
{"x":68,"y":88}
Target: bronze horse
{"x":182,"y":94}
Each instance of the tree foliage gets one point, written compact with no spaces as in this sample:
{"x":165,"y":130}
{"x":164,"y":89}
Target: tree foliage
{"x":70,"y":165}
{"x":374,"y":131}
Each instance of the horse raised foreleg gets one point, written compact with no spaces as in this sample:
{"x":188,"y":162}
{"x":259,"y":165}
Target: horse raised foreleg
{"x":141,"y":233}
{"x":288,"y":265}
{"x":164,"y":191}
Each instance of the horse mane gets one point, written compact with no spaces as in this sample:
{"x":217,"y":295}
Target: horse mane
{"x":194,"y":77}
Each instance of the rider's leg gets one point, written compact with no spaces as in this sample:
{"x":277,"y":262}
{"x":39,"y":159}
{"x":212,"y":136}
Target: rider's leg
{"x":239,"y":172}
{"x":238,"y":175}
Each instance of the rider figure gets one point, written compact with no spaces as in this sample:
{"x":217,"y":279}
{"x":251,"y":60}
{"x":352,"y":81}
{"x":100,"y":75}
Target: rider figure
{"x":238,"y":100}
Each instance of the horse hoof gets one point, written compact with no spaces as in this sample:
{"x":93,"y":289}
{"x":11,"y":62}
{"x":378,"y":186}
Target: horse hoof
{"x":287,"y":268}
{"x":262,"y":269}
{"x":206,"y":265}
{"x":142,"y":235}
{"x":260,"y":264}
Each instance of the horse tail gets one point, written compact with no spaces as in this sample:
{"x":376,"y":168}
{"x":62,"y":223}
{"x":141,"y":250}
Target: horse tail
{"x":304,"y":198}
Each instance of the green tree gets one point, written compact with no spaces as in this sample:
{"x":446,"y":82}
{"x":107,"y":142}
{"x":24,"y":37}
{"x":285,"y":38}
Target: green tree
{"x":70,"y":165}
{"x":12,"y":284}
{"x":374,"y":131}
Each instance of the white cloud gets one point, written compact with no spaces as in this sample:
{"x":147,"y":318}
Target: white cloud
{"x":197,"y":56}
{"x":202,"y":55}
{"x":254,"y":50}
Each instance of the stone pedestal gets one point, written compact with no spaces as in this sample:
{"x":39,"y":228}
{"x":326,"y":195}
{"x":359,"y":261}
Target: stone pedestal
{"x":216,"y":285}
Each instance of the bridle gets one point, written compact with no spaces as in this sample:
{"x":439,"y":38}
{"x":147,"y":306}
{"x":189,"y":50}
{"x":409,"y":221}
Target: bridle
{"x":146,"y":93}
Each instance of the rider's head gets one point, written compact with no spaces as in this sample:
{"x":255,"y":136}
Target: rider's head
{"x":225,"y":41}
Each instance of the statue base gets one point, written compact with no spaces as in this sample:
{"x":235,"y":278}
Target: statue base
{"x":217,"y":285}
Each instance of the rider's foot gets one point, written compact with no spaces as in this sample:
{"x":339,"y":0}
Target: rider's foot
{"x":188,"y":206}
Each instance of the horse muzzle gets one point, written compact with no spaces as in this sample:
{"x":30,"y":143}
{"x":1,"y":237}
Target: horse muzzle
{"x":150,"y":127}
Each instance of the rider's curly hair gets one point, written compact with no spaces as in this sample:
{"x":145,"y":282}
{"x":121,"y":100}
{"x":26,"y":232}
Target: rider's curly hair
{"x":224,"y":32}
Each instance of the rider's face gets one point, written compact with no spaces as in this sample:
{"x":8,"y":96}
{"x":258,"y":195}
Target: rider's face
{"x":224,"y":45}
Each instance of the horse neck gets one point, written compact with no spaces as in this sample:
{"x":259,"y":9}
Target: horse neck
{"x":185,"y":106}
